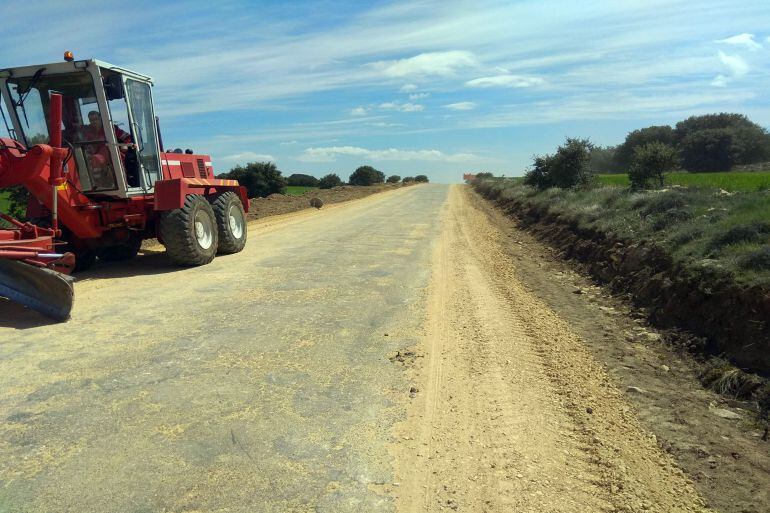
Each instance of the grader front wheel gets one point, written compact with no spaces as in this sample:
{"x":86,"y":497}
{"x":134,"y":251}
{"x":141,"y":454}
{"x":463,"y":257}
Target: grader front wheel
{"x":190,"y":233}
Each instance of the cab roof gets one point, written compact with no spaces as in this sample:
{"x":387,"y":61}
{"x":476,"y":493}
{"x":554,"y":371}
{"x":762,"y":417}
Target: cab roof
{"x":65,"y":67}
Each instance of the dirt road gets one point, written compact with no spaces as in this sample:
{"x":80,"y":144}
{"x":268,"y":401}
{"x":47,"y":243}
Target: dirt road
{"x":380,"y":355}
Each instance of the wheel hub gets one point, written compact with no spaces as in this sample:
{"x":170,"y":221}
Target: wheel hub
{"x":235,"y":220}
{"x":203,"y":231}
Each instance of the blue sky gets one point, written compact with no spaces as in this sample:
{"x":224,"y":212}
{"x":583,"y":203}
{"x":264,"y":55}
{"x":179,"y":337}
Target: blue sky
{"x":433,"y":87}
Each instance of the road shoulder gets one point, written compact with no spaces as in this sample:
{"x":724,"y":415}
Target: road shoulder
{"x":511,"y":411}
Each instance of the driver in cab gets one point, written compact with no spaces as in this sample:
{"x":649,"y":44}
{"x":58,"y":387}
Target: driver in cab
{"x":100,"y":154}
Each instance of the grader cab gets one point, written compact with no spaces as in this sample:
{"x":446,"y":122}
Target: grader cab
{"x":85,"y":143}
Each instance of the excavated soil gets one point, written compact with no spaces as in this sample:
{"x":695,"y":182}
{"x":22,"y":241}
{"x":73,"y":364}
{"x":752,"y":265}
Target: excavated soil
{"x":535,"y":390}
{"x":277,"y":204}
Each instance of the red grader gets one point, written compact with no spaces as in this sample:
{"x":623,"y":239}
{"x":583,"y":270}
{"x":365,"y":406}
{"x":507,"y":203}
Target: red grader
{"x":85,"y":143}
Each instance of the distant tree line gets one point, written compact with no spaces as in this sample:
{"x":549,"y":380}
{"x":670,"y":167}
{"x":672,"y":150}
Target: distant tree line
{"x":708,"y":143}
{"x":264,"y":178}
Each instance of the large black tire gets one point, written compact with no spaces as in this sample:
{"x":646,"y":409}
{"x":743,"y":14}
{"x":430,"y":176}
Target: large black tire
{"x":231,"y":222}
{"x":121,"y":252}
{"x":84,"y":260}
{"x":190,"y":233}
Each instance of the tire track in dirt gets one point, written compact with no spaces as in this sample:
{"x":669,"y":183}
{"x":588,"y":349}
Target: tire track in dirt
{"x":515,"y":414}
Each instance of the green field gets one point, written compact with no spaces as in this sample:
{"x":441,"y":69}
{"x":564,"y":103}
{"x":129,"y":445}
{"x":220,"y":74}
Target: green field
{"x":3,"y":202}
{"x":734,"y":181}
{"x":297,"y":190}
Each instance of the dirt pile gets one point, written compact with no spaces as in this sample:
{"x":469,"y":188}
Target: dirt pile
{"x":732,"y":319}
{"x":277,"y":204}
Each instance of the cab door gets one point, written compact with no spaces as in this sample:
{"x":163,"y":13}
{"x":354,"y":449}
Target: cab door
{"x":143,"y":131}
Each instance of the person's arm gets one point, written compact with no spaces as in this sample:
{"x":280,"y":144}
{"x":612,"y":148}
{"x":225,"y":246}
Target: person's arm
{"x":122,"y":136}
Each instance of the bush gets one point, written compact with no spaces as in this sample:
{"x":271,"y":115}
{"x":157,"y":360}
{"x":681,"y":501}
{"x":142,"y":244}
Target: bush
{"x":539,"y":175}
{"x":716,"y":142}
{"x":408,"y":179}
{"x":302,"y":180}
{"x":650,"y":161}
{"x":393,"y":179}
{"x":366,"y":175}
{"x":329,"y":181}
{"x":567,"y":168}
{"x":624,"y":155}
{"x":260,"y":178}
{"x":421,"y":179}
{"x":16,"y":198}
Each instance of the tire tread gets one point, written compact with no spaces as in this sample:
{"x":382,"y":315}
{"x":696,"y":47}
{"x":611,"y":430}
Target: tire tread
{"x":176,"y":227}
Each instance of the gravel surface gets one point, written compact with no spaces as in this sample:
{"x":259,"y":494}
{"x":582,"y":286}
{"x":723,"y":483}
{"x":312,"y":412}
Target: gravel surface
{"x":391,"y":353}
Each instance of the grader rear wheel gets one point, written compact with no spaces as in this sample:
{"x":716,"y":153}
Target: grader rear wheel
{"x":231,"y":222}
{"x":190,"y":233}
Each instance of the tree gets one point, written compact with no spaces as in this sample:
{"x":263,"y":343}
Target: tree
{"x":408,"y":179}
{"x":329,"y":181}
{"x":650,"y":161}
{"x":393,"y":179}
{"x":540,"y":174}
{"x":712,"y":149}
{"x":624,"y":154}
{"x":710,"y":121}
{"x":481,"y":176}
{"x":568,"y":167}
{"x":302,"y":180}
{"x":602,"y":159}
{"x":716,"y":142}
{"x":366,"y":175}
{"x":421,"y":179}
{"x":260,"y":178}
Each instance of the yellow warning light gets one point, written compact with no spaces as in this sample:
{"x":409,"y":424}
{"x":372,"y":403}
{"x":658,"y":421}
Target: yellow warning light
{"x":68,"y":56}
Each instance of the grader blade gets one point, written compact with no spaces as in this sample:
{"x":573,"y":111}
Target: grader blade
{"x":37,"y":288}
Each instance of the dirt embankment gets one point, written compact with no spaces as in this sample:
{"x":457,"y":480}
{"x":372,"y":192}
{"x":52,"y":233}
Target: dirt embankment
{"x":277,"y":204}
{"x":730,"y":318}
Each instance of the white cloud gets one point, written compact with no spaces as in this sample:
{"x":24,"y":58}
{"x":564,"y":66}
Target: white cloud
{"x":402,"y":107}
{"x":330,"y":154}
{"x":650,"y":105}
{"x":358,"y":111}
{"x":408,"y":88}
{"x":383,"y":124}
{"x":505,"y":81}
{"x":431,"y":63}
{"x":719,"y":81}
{"x":418,"y":96}
{"x":461,"y":106}
{"x":248,"y":156}
{"x":745,"y":40}
{"x":736,"y":64}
